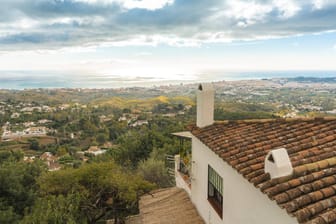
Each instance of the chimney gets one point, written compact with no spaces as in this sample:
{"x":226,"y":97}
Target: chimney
{"x":277,"y":163}
{"x":205,"y":105}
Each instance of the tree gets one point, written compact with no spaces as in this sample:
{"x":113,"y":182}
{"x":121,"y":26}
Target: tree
{"x":13,"y":156}
{"x":106,"y":190}
{"x":61,"y":151}
{"x":126,"y":110}
{"x":8,"y":215}
{"x":56,"y":210}
{"x":87,"y":126}
{"x":18,"y":188}
{"x":101,"y":138}
{"x":134,"y":146}
{"x":154,"y":171}
{"x":115,"y":129}
{"x":34,"y":144}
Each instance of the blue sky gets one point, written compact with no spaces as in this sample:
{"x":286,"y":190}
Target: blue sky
{"x":165,"y":39}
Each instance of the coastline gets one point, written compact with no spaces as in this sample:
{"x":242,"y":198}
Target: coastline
{"x":55,"y":81}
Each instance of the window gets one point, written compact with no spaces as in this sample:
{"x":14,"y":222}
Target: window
{"x":215,"y":190}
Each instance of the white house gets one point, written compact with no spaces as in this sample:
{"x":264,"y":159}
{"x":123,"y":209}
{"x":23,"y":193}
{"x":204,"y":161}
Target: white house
{"x":15,"y":115}
{"x":51,"y":161}
{"x":274,"y":171}
{"x":95,"y":150}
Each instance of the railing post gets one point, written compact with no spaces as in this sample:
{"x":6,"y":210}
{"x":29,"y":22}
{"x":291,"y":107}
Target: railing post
{"x":177,"y":163}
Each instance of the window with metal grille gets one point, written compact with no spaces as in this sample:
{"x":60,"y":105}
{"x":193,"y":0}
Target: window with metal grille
{"x":215,"y":190}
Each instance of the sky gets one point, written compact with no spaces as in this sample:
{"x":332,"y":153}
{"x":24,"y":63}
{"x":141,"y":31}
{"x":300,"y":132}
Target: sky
{"x":165,"y":39}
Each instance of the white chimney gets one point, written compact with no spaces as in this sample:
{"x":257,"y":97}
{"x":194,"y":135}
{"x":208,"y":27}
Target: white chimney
{"x":205,"y":105}
{"x":277,"y":163}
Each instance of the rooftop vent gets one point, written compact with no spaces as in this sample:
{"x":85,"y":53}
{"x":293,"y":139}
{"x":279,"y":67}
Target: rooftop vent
{"x":277,"y":163}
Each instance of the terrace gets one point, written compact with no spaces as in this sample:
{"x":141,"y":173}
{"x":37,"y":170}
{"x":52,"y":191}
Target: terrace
{"x":182,"y":162}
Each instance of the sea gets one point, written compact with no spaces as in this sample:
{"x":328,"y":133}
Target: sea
{"x":33,"y":80}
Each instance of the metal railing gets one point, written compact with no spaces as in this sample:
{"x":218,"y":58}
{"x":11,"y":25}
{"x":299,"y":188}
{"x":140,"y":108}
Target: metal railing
{"x":183,"y":168}
{"x":170,"y":164}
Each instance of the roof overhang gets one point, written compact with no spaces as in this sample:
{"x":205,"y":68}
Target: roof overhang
{"x":183,"y":134}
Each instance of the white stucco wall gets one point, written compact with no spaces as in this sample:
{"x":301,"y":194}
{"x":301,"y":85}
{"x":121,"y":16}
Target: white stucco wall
{"x":242,"y":202}
{"x":179,"y":181}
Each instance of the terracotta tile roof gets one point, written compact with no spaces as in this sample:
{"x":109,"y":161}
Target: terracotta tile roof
{"x":309,"y":193}
{"x":48,"y":156}
{"x":168,"y":206}
{"x":93,"y":149}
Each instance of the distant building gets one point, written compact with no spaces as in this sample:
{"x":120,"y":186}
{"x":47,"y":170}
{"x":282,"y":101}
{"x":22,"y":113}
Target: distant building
{"x":15,"y":115}
{"x":28,"y":132}
{"x":29,"y":159}
{"x":123,"y":118}
{"x":331,"y":111}
{"x":95,"y":150}
{"x":36,"y":131}
{"x":103,"y":118}
{"x":169,"y":115}
{"x":63,"y":106}
{"x":48,"y":156}
{"x":31,"y":109}
{"x":139,"y":123}
{"x":29,"y":124}
{"x":44,"y":121}
{"x":51,"y":161}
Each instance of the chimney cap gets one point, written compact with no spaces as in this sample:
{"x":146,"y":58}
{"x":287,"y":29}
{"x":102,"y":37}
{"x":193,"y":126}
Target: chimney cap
{"x":277,"y":163}
{"x":205,"y":87}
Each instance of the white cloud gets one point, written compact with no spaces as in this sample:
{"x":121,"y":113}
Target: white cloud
{"x":318,"y":4}
{"x":155,"y":40}
{"x":251,"y":12}
{"x":84,"y":20}
{"x":288,"y":8}
{"x":26,"y":23}
{"x":18,"y":25}
{"x":182,"y":24}
{"x":218,"y":37}
{"x":242,"y":24}
{"x":146,"y":4}
{"x":321,"y":4}
{"x":131,"y":4}
{"x":96,"y":1}
{"x":247,"y":13}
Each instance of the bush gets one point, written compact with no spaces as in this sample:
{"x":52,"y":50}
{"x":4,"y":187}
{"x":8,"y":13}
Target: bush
{"x":155,"y":171}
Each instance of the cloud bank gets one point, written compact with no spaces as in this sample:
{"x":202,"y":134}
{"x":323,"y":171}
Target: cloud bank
{"x":54,"y":24}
